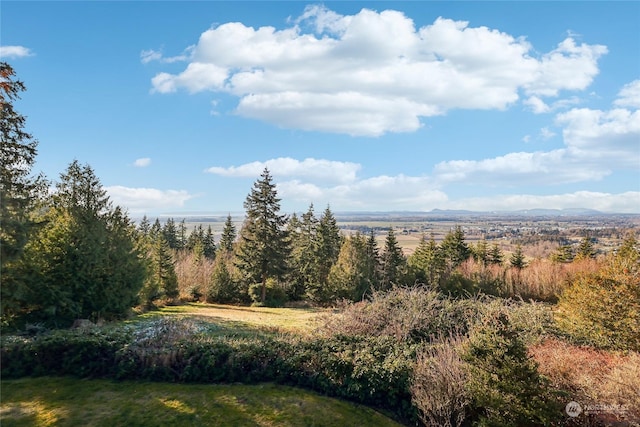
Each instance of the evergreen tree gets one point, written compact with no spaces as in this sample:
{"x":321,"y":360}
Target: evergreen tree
{"x":164,"y":273}
{"x":209,"y":244}
{"x":563,"y":254}
{"x":585,"y":249}
{"x":517,"y":259}
{"x":222,"y":288}
{"x":156,"y":229}
{"x":428,"y":261}
{"x":182,"y":234}
{"x":393,"y":261}
{"x":144,"y":227}
{"x":455,"y":248}
{"x":85,"y":259}
{"x":373,"y":260}
{"x":263,"y":249}
{"x":19,"y":193}
{"x":329,"y":242}
{"x":196,"y":238}
{"x":170,"y":234}
{"x":481,"y":252}
{"x":349,"y":277}
{"x":303,"y":265}
{"x":496,"y":257}
{"x":228,"y":235}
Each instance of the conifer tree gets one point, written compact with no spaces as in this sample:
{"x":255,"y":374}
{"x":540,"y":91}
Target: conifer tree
{"x":19,"y":194}
{"x":349,"y":277}
{"x":373,"y":260}
{"x":329,"y":242}
{"x":481,"y":252}
{"x":263,"y":250}
{"x":455,"y":248}
{"x":209,"y":244}
{"x":144,"y":227}
{"x":170,"y":233}
{"x":303,"y":265}
{"x":85,"y":259}
{"x":228,"y":235}
{"x":496,"y":257}
{"x":393,"y":261}
{"x":428,"y":261}
{"x":585,"y":249}
{"x":517,"y":259}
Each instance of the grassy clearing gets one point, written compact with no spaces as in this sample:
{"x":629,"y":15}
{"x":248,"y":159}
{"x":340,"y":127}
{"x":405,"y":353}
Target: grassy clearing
{"x":70,"y":402}
{"x":298,"y":320}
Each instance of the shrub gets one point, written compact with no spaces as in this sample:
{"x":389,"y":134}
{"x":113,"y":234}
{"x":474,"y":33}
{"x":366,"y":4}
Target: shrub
{"x":276,"y":295}
{"x":504,"y":384}
{"x":602,"y":309}
{"x":438,"y":385}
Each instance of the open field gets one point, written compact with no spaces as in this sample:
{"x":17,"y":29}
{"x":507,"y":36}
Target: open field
{"x":298,"y":320}
{"x":71,"y":402}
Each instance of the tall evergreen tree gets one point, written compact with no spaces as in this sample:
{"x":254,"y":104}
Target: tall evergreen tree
{"x":209,"y":244}
{"x":481,"y":252}
{"x":263,"y":249}
{"x":228,"y":237}
{"x":144,"y":227}
{"x":182,"y":234}
{"x":329,"y":242}
{"x":393,"y":261}
{"x":19,"y":191}
{"x":303,"y":263}
{"x":85,"y":259}
{"x":373,"y":260}
{"x":170,"y":234}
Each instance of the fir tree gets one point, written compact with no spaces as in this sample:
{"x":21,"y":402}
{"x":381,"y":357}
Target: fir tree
{"x":263,"y":250}
{"x":393,"y":261}
{"x":170,"y":233}
{"x":496,"y":257}
{"x":349,"y":277}
{"x":209,"y":244}
{"x":517,"y":259}
{"x":428,"y":261}
{"x":481,"y":252}
{"x":228,"y":235}
{"x":455,"y":248}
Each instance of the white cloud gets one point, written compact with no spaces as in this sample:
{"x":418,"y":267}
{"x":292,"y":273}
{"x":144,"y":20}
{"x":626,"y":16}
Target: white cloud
{"x":313,"y":169}
{"x":140,"y":200}
{"x":150,"y":55}
{"x":596,"y":143}
{"x":627,"y":202}
{"x":142,"y":162}
{"x":13,"y":52}
{"x":629,"y":95}
{"x":373,"y":73}
{"x":537,"y":105}
{"x":147,"y":56}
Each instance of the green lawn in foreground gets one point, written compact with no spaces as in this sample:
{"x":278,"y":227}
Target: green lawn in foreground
{"x":61,"y":402}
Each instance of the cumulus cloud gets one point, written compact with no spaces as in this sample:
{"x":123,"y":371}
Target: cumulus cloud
{"x":596,"y":143}
{"x":140,"y":200}
{"x":629,"y":95}
{"x":374,"y":72}
{"x":13,"y":52}
{"x":311,"y":169}
{"x":142,"y":162}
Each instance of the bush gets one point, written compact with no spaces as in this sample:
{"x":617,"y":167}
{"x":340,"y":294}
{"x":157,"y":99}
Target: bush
{"x":438,"y":386}
{"x":503,"y":381}
{"x":602,"y":309}
{"x":276,"y":295}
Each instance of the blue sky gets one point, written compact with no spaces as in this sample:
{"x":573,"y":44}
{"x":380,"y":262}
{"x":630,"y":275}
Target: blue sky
{"x":366,"y":106}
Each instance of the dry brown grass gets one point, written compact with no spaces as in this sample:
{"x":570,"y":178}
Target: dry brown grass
{"x":593,"y":377}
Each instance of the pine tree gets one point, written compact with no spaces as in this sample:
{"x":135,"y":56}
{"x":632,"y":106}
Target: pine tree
{"x":373,"y":260}
{"x":393,"y":261}
{"x":563,"y":254}
{"x":182,"y":235}
{"x":144,"y":227}
{"x":517,"y":259}
{"x":228,"y":237}
{"x":164,"y":273}
{"x":263,"y":249}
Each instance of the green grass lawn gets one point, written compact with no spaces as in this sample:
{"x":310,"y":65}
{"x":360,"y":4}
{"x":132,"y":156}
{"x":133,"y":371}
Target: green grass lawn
{"x":61,"y":402}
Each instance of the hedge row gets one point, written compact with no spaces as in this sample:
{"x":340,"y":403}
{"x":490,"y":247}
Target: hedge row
{"x":373,"y":371}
